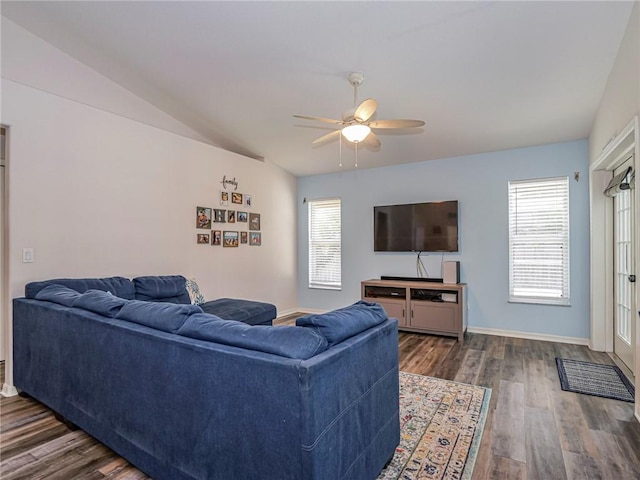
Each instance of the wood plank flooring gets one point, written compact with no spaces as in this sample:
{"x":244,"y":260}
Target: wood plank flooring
{"x":534,"y":430}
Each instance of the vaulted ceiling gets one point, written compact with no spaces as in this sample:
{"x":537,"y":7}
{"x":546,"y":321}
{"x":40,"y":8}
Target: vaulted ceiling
{"x":484,"y":76}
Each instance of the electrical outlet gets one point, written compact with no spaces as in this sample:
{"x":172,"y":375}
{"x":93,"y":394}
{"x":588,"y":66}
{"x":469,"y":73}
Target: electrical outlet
{"x":27,"y":255}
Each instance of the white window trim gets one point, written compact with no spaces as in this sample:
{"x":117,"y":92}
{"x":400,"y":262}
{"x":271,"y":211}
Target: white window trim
{"x":315,"y":282}
{"x":564,"y":299}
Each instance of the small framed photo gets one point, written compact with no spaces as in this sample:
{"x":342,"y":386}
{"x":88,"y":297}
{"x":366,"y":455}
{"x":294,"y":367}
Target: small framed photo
{"x":255,"y":238}
{"x":254,"y":221}
{"x":242,"y":216}
{"x":247,"y":200}
{"x":220,"y":215}
{"x":230,"y":239}
{"x":231,"y":216}
{"x":216,"y":237}
{"x":203,"y":238}
{"x":224,"y":198}
{"x":244,"y":237}
{"x":236,"y":198}
{"x":203,"y":217}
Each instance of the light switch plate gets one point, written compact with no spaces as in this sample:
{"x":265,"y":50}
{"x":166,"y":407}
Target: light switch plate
{"x":27,"y":255}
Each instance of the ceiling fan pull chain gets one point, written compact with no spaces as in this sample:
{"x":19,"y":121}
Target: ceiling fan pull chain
{"x":340,"y":143}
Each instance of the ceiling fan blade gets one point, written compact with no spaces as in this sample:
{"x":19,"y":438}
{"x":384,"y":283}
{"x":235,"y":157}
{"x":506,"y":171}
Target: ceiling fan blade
{"x":320,"y":119}
{"x":372,"y":141}
{"x":326,"y":137}
{"x":396,"y":123}
{"x":365,"y":110}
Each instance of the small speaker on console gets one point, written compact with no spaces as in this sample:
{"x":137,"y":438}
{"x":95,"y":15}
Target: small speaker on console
{"x":451,"y":272}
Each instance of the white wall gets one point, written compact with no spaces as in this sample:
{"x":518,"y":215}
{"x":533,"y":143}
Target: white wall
{"x":479,"y":183}
{"x":97,"y":193}
{"x":619,"y":105}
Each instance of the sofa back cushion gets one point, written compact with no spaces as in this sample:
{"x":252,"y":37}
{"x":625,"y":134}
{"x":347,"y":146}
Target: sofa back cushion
{"x":167,"y":317}
{"x":162,"y":288}
{"x":338,"y":325}
{"x":285,"y":341}
{"x":58,"y":294}
{"x":119,"y":286}
{"x":102,"y":303}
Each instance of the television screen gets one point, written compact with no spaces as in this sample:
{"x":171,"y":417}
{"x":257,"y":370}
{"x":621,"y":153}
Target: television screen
{"x":416,"y":227}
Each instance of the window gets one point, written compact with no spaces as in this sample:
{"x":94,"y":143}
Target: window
{"x":539,"y":241}
{"x":325,"y":247}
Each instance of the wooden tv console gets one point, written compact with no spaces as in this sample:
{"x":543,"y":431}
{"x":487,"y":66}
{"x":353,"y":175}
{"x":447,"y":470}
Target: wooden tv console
{"x":425,"y":307}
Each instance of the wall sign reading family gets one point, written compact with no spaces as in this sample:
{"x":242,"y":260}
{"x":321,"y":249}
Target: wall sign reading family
{"x":207,"y":217}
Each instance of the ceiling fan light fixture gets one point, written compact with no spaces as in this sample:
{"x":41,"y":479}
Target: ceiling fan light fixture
{"x":356,"y":133}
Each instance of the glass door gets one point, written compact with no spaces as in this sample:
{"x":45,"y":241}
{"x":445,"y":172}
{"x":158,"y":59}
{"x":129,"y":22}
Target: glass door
{"x":624,"y":276}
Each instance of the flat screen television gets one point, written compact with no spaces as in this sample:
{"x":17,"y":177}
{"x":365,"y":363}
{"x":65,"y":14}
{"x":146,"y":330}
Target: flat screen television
{"x":416,"y":227}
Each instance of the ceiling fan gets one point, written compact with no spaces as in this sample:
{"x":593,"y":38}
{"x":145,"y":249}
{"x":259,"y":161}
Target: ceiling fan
{"x":357,"y":125}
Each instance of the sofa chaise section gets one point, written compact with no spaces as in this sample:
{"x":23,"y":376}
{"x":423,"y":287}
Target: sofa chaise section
{"x":171,"y":288}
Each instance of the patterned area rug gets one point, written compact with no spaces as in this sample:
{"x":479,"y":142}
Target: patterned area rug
{"x":441,"y":426}
{"x":594,"y":379}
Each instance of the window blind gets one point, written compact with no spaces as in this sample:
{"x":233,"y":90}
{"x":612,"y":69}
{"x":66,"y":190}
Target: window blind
{"x":539,"y":241}
{"x":325,"y":245}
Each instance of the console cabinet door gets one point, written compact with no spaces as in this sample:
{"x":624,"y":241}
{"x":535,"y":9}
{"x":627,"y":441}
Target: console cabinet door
{"x":440,"y":317}
{"x":395,"y":309}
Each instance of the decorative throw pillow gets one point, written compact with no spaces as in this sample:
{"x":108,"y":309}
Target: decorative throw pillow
{"x":194,"y":292}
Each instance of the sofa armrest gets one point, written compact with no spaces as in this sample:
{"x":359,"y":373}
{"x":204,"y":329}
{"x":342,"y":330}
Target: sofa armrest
{"x":350,"y":404}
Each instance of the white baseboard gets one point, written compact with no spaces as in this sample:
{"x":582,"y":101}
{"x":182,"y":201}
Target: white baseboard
{"x":286,"y":313}
{"x":8,"y":390}
{"x":529,"y":336}
{"x":486,"y":331}
{"x":299,"y":310}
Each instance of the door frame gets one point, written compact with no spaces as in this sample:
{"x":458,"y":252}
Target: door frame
{"x":601,"y":236}
{"x":8,"y":390}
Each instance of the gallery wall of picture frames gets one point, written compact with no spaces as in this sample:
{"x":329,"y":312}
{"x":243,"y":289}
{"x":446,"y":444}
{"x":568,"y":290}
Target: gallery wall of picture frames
{"x":231,"y":226}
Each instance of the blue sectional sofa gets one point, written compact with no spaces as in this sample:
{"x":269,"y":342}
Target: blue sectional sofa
{"x":183,"y":394}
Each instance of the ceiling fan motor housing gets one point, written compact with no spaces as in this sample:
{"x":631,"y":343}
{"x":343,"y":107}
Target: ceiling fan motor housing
{"x":347,"y":115}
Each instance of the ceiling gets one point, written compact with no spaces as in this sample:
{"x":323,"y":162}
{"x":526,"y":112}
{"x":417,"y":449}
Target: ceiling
{"x":484,"y":76}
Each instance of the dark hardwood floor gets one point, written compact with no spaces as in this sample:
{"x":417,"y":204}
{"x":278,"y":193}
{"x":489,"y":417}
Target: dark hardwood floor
{"x":534,"y":430}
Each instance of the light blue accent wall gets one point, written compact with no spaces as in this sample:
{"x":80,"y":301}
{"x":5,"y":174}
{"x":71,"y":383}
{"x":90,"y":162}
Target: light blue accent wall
{"x":480,"y":184}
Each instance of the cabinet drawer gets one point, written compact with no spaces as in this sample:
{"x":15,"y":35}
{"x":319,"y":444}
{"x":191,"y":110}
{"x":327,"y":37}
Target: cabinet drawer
{"x":434,"y":316}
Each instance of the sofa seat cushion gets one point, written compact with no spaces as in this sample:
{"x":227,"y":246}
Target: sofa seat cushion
{"x":338,"y":325}
{"x":167,"y":317}
{"x":162,"y":288}
{"x":247,"y":311}
{"x":102,"y":303}
{"x":119,"y":286}
{"x":58,"y":294}
{"x":285,"y":341}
